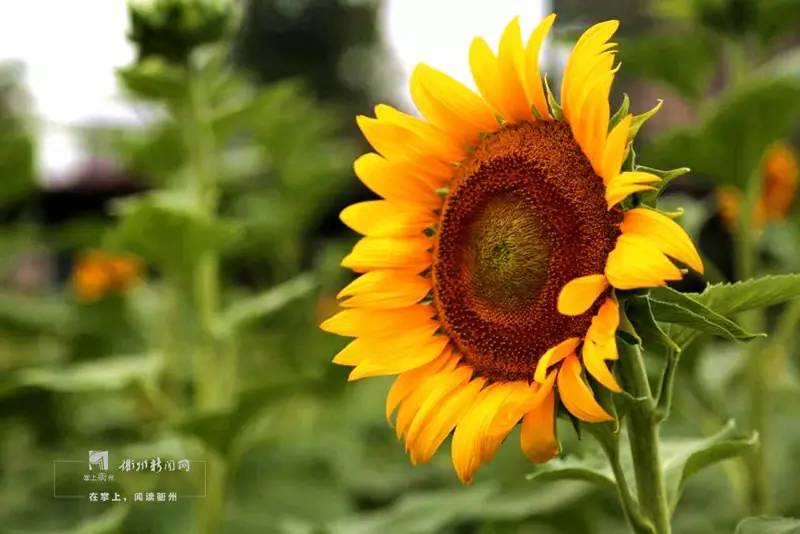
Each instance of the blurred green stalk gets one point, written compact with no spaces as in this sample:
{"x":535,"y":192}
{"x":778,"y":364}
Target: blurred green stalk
{"x":214,"y":362}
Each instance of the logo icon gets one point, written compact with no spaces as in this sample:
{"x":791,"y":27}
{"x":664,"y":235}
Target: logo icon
{"x":98,"y":459}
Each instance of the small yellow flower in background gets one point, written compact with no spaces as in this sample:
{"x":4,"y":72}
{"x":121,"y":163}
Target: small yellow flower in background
{"x":98,"y":273}
{"x":489,"y":267}
{"x":779,"y":177}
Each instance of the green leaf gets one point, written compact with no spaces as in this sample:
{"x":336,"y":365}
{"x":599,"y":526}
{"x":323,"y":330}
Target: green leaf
{"x":727,"y":145}
{"x":154,"y":79}
{"x":111,"y":373}
{"x":594,"y":470}
{"x":647,"y":328}
{"x":768,"y":525}
{"x":730,"y":299}
{"x":683,"y":458}
{"x":266,"y":303}
{"x":683,"y":62}
{"x":621,"y":113}
{"x":670,"y":306}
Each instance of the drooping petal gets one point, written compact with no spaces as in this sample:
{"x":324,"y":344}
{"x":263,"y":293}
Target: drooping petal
{"x":467,"y":448}
{"x":636,"y":262}
{"x":580,"y":293}
{"x":443,"y":384}
{"x":444,"y":419}
{"x":397,"y":183}
{"x":600,"y":344}
{"x":664,"y":233}
{"x":385,"y":289}
{"x":355,"y":322}
{"x":450,"y":105}
{"x":410,"y":381}
{"x":524,"y":398}
{"x":380,"y":218}
{"x":408,"y":253}
{"x":410,"y":405}
{"x":538,"y":433}
{"x":576,"y":396}
{"x":553,"y":356}
{"x":532,"y":79}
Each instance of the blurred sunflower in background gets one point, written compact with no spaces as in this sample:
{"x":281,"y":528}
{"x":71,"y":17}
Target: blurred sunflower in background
{"x":98,"y":273}
{"x":779,"y":176}
{"x":490,"y":266}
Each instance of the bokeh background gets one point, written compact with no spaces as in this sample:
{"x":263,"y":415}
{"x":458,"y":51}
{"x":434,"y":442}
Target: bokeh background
{"x":170,"y":179}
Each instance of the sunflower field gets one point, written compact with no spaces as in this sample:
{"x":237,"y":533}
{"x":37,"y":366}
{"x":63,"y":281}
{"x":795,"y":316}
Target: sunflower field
{"x":400,"y":267}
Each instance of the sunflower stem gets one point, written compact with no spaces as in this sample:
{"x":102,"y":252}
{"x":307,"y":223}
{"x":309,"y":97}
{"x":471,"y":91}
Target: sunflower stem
{"x":643,"y":430}
{"x":609,"y":442}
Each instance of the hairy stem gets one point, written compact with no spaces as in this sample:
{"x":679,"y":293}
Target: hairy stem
{"x":643,"y":429}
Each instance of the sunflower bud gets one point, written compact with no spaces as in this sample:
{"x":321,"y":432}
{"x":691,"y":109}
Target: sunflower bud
{"x":172,"y":29}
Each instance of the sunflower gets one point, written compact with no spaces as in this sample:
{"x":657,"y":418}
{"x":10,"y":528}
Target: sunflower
{"x":488,"y":270}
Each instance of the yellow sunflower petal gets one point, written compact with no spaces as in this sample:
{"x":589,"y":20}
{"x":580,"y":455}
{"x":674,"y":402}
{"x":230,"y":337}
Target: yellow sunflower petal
{"x":410,"y":381}
{"x":409,"y":253}
{"x":431,"y":139}
{"x":401,"y":144}
{"x":395,"y":355}
{"x":615,"y":195}
{"x":532,"y":79}
{"x":397,"y":182}
{"x":636,"y":262}
{"x":486,"y":73}
{"x":538,"y":433}
{"x":614,"y":152}
{"x":589,"y":45}
{"x":511,"y":65}
{"x":385,"y":289}
{"x":626,"y":183}
{"x":467,"y":448}
{"x":444,"y":383}
{"x":380,"y":218}
{"x":390,"y":347}
{"x":553,"y":356}
{"x":600,"y":344}
{"x":410,"y":405}
{"x":356,"y":322}
{"x":580,"y":293}
{"x":664,"y":233}
{"x":444,"y":419}
{"x":450,"y":105}
{"x":524,"y":398}
{"x":576,"y":396}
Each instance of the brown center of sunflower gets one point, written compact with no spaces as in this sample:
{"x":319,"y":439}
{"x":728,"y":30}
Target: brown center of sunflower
{"x":525,"y":215}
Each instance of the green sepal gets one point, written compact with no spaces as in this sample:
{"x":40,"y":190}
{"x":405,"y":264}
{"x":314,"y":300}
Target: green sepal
{"x":552,"y":103}
{"x":620,"y":113}
{"x":639,"y":120}
{"x":651,"y":197}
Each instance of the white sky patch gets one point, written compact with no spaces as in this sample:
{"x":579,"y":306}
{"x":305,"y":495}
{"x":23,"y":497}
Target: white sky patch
{"x":439,"y":32}
{"x":69,"y":50}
